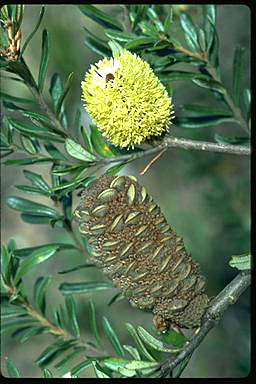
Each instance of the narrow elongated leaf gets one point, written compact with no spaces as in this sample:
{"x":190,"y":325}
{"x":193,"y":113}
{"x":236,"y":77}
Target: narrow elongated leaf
{"x":99,"y":371}
{"x":24,"y":252}
{"x":64,"y":93}
{"x":47,"y":374}
{"x":202,"y":110}
{"x":87,"y":140}
{"x":28,"y":145}
{"x":99,"y":144}
{"x":37,"y":257}
{"x":30,"y":207}
{"x":62,"y":363}
{"x":209,"y":19}
{"x":76,"y":288}
{"x":100,"y":17}
{"x":30,"y":332}
{"x":76,"y":150}
{"x":140,"y":42}
{"x":31,"y":219}
{"x":180,"y":75}
{"x":97,"y":47}
{"x":190,"y":31}
{"x":221,"y":139}
{"x":41,"y":14}
{"x":31,"y":190}
{"x":12,"y":370}
{"x":27,"y":161}
{"x":210,"y":84}
{"x":115,"y":363}
{"x":92,"y":322}
{"x":132,"y":351}
{"x":168,"y":22}
{"x":71,"y":310}
{"x":51,"y":353}
{"x":112,"y":336}
{"x":54,"y":152}
{"x":77,"y":268}
{"x":14,"y":99}
{"x":141,"y":347}
{"x":202,"y":121}
{"x":241,"y":262}
{"x":80,"y":367}
{"x":16,"y":324}
{"x":37,"y":180}
{"x":119,"y":36}
{"x":40,"y":287}
{"x":44,"y":60}
{"x":153,"y":342}
{"x":247,"y":102}
{"x":237,"y":73}
{"x":112,"y":171}
{"x":5,"y":263}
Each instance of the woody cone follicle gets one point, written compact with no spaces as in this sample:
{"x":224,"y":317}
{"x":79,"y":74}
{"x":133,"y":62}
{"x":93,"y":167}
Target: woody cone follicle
{"x":140,"y":252}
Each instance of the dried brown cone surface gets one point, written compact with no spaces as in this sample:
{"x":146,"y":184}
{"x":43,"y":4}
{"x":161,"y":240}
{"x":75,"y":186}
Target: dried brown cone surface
{"x":140,"y":252}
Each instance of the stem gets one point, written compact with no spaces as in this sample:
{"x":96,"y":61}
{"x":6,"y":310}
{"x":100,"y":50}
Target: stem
{"x":175,"y":142}
{"x":215,"y":311}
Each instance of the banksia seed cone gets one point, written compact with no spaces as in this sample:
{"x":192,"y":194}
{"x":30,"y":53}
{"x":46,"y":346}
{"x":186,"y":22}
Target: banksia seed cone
{"x":140,"y":252}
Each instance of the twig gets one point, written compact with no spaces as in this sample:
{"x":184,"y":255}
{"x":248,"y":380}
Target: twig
{"x":152,"y":161}
{"x":215,"y":311}
{"x":175,"y":142}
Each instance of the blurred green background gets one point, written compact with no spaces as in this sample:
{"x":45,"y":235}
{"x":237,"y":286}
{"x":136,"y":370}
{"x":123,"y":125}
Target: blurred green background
{"x":205,"y":196}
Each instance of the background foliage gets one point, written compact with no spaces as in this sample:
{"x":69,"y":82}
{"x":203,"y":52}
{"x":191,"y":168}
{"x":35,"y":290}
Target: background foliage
{"x":205,"y":196}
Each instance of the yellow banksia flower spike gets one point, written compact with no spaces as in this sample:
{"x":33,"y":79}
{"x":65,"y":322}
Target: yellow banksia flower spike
{"x":126,"y":100}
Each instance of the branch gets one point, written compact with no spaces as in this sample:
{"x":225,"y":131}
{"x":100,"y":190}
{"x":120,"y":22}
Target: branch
{"x":175,"y":142}
{"x":215,"y":311}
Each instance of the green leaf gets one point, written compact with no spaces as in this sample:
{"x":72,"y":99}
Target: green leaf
{"x":190,"y":31}
{"x":52,"y":352}
{"x":112,"y":336}
{"x":209,"y":19}
{"x":37,"y":257}
{"x":5,"y":263}
{"x":115,"y":363}
{"x":41,"y":14}
{"x":47,"y":374}
{"x":15,"y":324}
{"x":180,"y":75}
{"x":115,"y":47}
{"x":24,"y":252}
{"x":174,"y":338}
{"x":76,"y":288}
{"x":214,"y":49}
{"x":183,"y":365}
{"x":87,"y":139}
{"x":202,"y":121}
{"x":119,"y":36}
{"x":112,"y":171}
{"x":27,"y":161}
{"x":140,"y":42}
{"x":80,"y":367}
{"x":37,"y":180}
{"x":151,"y":13}
{"x":44,"y":60}
{"x":237,"y":74}
{"x":241,"y":262}
{"x":77,"y":151}
{"x":197,"y":109}
{"x":221,"y":139}
{"x":66,"y":89}
{"x":62,"y":363}
{"x":92,"y":321}
{"x":28,"y":145}
{"x":77,"y":123}
{"x":99,"y":144}
{"x":116,"y":298}
{"x":31,"y":190}
{"x":132,"y":351}
{"x":56,"y":89}
{"x":29,"y":207}
{"x":97,"y":47}
{"x":54,"y":152}
{"x":100,"y":17}
{"x":6,"y":96}
{"x":40,"y":287}
{"x":11,"y":368}
{"x":99,"y":371}
{"x":141,"y":347}
{"x":247,"y":102}
{"x":168,"y":22}
{"x":153,"y":342}
{"x":76,"y":268}
{"x":210,"y":84}
{"x":71,"y":310}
